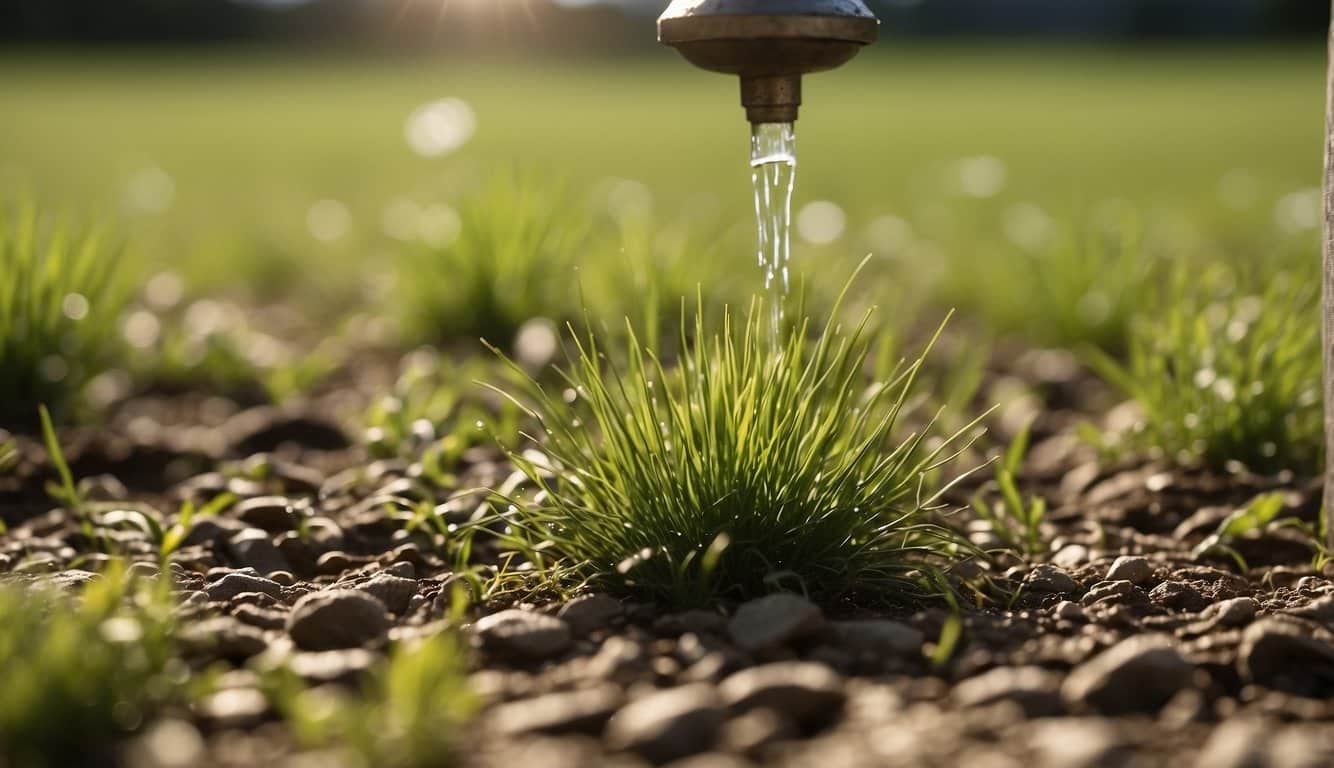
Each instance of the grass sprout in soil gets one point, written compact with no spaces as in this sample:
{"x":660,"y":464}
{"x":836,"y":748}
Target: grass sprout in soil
{"x":1222,"y":374}
{"x":1080,"y":287}
{"x":752,"y":466}
{"x":435,"y":412}
{"x":60,"y":303}
{"x":408,"y":713}
{"x":505,"y":257}
{"x":82,"y":669}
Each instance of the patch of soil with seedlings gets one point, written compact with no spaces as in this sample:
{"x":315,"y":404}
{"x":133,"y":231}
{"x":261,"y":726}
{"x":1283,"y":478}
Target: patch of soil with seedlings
{"x":1117,"y":612}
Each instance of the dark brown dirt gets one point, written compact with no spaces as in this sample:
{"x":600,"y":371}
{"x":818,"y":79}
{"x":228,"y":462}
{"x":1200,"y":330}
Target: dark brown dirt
{"x":1115,"y":647}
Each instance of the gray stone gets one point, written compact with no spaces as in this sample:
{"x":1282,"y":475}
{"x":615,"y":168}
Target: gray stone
{"x":271,"y":513}
{"x":345,"y":667}
{"x":1237,"y":612}
{"x":1068,"y":611}
{"x":233,"y":584}
{"x":1052,"y":580}
{"x":257,"y":616}
{"x":253,"y":548}
{"x":668,"y":725}
{"x":1319,"y":610}
{"x":878,"y":637}
{"x":168,"y":743}
{"x":1303,"y":746}
{"x":211,"y":530}
{"x":335,"y":619}
{"x":1140,"y":674}
{"x":393,"y":591}
{"x":774,"y":622}
{"x":1134,"y":569}
{"x":1236,"y":744}
{"x":224,"y":637}
{"x":1179,"y":596}
{"x":1035,"y":690}
{"x":619,"y":659}
{"x":582,"y":711}
{"x":1284,"y":656}
{"x":1078,"y":743}
{"x":332,"y":563}
{"x":523,"y":635}
{"x":235,"y":707}
{"x":1071,"y":556}
{"x":754,"y":732}
{"x":1106,"y":593}
{"x":695,"y":622}
{"x":590,"y":613}
{"x":804,"y":692}
{"x":711,"y":760}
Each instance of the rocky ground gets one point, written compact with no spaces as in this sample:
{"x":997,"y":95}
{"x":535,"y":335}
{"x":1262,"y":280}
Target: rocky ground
{"x":1117,"y":648}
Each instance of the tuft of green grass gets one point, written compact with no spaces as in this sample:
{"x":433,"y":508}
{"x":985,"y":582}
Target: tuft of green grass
{"x":82,"y":669}
{"x":1223,"y":375}
{"x":754,"y":466}
{"x":61,"y":296}
{"x":409,"y":713}
{"x":1083,"y":289}
{"x":511,"y":259}
{"x":435,"y":413}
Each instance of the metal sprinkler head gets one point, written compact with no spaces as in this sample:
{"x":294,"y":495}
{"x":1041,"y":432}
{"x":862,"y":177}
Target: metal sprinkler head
{"x":770,"y":44}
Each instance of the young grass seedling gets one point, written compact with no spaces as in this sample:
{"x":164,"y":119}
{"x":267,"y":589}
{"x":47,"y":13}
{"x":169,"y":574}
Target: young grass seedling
{"x":9,"y":456}
{"x":61,"y":296}
{"x":754,"y":466}
{"x":511,"y":260}
{"x":1252,"y":518}
{"x":81,"y":670}
{"x":66,"y":491}
{"x":1226,"y":377}
{"x":409,"y":714}
{"x":1015,"y":520}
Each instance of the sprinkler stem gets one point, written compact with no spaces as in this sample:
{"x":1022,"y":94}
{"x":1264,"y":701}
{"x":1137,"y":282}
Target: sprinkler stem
{"x":771,"y":99}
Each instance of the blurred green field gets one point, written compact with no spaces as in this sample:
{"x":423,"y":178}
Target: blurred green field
{"x":1207,"y":146}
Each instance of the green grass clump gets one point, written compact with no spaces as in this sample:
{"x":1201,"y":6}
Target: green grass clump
{"x":61,"y":296}
{"x":1222,"y":375}
{"x":511,"y":260}
{"x":435,"y":413}
{"x":1081,"y":290}
{"x":81,"y":670}
{"x":752,"y":467}
{"x":409,"y":714}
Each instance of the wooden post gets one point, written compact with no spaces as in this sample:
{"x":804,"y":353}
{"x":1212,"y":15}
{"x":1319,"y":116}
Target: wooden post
{"x":1327,"y":241}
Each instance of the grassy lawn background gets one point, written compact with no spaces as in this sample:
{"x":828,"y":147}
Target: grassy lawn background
{"x":251,"y":139}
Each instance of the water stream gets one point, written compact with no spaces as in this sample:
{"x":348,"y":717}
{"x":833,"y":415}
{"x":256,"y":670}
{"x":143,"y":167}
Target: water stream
{"x":773,"y":163}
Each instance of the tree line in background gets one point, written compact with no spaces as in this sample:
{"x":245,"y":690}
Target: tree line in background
{"x":437,"y":23}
